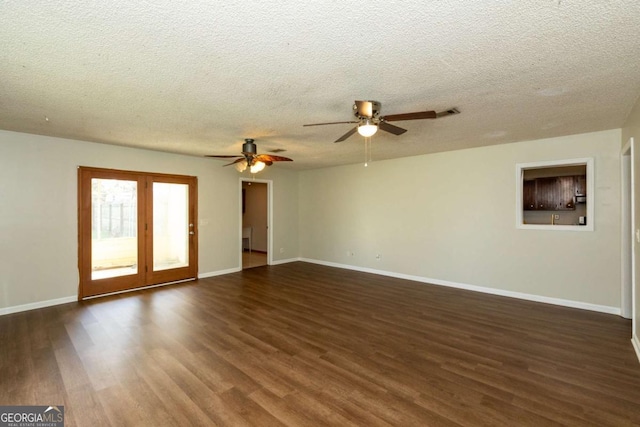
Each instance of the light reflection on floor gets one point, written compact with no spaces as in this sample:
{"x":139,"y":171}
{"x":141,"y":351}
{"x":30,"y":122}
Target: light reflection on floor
{"x":253,"y":259}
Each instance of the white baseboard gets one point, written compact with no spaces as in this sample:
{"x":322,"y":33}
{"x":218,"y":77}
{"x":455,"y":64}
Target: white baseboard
{"x":65,"y":300}
{"x":636,"y":345}
{"x":219,"y":272}
{"x":285,"y":261}
{"x":493,"y":291}
{"x":39,"y":304}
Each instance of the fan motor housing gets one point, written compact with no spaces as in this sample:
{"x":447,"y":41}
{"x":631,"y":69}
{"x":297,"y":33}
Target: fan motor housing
{"x":366,"y":109}
{"x":249,"y":147}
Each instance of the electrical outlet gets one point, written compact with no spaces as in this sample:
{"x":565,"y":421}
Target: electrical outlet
{"x":378,"y":256}
{"x":556,"y":216}
{"x":281,"y":250}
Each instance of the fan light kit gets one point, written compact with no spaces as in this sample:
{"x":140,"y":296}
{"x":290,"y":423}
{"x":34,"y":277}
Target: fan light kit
{"x":367,"y":128}
{"x":255,"y":168}
{"x":251,"y":159}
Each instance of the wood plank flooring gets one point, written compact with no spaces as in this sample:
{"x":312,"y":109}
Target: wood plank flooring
{"x":307,"y":345}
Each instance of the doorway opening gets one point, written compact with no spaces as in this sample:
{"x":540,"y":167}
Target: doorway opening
{"x":255,"y":223}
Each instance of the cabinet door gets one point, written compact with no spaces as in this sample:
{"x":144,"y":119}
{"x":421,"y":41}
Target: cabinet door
{"x":546,"y":194}
{"x":581,"y":185}
{"x":529,"y":195}
{"x":566,"y":188}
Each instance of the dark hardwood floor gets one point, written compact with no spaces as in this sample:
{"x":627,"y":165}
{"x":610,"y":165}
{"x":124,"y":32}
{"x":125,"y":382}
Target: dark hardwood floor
{"x":307,"y":345}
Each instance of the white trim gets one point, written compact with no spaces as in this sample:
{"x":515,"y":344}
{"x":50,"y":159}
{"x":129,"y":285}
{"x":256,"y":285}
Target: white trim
{"x":627,"y":195}
{"x":518,"y":295}
{"x":636,"y":345}
{"x":634,"y":225}
{"x":74,"y":298}
{"x":588,"y":227}
{"x":36,"y":305}
{"x":627,"y":145}
{"x":493,"y":291}
{"x":521,"y":167}
{"x":285,"y":261}
{"x":219,"y":272}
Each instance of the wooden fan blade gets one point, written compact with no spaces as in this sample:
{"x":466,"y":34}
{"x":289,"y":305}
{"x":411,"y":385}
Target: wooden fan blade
{"x":268,"y":158}
{"x":347,"y":135}
{"x":329,"y":123}
{"x":236,"y":161}
{"x":411,"y":116}
{"x":222,"y":157}
{"x":387,"y":127}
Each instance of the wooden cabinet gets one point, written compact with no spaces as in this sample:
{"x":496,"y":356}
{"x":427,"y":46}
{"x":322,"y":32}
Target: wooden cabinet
{"x":546,"y":194}
{"x":529,"y":195}
{"x":566,"y":186}
{"x":552,"y":194}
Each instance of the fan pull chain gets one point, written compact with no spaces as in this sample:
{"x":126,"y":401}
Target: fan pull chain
{"x":367,"y":151}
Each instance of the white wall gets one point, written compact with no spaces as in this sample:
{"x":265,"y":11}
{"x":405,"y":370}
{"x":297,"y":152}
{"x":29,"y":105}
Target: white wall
{"x":38,"y":211}
{"x":447,"y":216}
{"x":284,"y":185}
{"x":451,"y":217}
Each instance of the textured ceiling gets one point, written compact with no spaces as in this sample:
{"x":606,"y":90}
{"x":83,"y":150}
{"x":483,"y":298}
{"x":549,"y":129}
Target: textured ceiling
{"x":197,"y":77}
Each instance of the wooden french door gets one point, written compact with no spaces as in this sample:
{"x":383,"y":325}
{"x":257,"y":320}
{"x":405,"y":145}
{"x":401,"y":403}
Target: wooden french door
{"x":135,"y":229}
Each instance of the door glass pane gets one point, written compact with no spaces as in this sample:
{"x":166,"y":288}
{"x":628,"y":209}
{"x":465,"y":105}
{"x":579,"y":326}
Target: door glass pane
{"x":114,"y":228}
{"x":170,"y":226}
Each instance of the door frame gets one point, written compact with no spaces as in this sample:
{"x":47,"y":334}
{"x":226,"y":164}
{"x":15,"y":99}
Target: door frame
{"x":628,"y":227}
{"x":144,"y":278}
{"x":269,"y":217}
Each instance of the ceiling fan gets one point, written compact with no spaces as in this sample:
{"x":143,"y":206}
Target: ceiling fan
{"x":250,"y":158}
{"x":369,"y":119}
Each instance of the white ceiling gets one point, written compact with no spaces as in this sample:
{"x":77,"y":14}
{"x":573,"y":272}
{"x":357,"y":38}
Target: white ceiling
{"x":197,"y":77}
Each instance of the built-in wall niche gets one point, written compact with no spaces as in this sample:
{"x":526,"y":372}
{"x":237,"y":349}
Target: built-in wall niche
{"x":555,"y":195}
